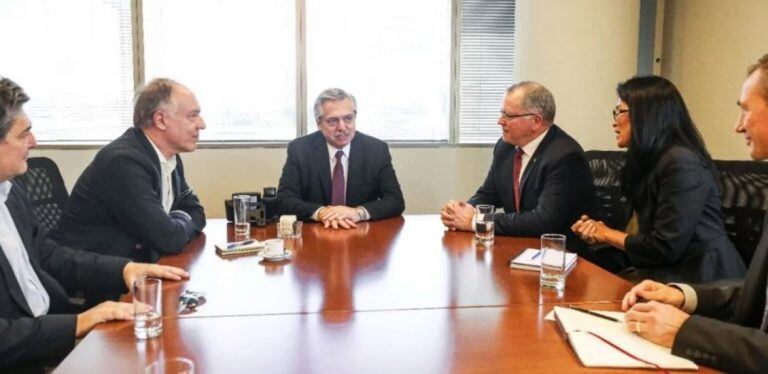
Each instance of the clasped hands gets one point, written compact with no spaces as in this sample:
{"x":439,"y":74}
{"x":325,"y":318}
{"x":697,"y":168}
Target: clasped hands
{"x":338,"y":217}
{"x":115,"y":311}
{"x":590,"y":230}
{"x":457,"y":215}
{"x":653,"y":311}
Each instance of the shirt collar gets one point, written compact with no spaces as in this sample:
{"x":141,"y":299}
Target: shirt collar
{"x":5,"y":189}
{"x":332,"y":150}
{"x":530,"y":148}
{"x":169,"y":163}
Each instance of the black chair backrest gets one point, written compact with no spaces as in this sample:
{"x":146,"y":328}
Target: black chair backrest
{"x":745,"y":201}
{"x":46,"y":190}
{"x":606,"y":172}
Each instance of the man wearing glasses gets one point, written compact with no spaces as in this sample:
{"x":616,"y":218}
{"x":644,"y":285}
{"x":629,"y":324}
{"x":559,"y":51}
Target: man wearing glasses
{"x":336,"y":175}
{"x":538,"y":174}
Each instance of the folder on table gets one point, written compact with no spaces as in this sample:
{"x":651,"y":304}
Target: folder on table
{"x":530,"y":259}
{"x":599,"y":342}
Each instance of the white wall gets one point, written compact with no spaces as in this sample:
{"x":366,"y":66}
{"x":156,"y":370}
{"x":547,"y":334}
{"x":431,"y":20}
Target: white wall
{"x":579,"y":49}
{"x":708,"y":45}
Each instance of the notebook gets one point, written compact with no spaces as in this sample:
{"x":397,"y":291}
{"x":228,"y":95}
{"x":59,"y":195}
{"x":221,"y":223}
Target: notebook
{"x":585,"y":333}
{"x":530,"y":259}
{"x":239,"y":248}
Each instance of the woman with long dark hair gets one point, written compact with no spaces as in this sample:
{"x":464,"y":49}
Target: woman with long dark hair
{"x":676,"y":232}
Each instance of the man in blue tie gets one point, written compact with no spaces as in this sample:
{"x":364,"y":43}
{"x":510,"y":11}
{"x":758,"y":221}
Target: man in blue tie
{"x":337,"y":175}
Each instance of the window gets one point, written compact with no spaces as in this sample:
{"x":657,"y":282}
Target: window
{"x":238,"y":56}
{"x":487,"y":66}
{"x":422,"y":71}
{"x":397,"y":63}
{"x":74,"y":59}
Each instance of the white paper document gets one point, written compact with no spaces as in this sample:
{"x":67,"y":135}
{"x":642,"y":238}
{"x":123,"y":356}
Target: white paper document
{"x":594,"y":352}
{"x":530,"y":259}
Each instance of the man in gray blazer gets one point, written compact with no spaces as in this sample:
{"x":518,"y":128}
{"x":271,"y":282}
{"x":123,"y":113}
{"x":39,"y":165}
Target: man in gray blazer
{"x":38,"y":324}
{"x":728,"y":329}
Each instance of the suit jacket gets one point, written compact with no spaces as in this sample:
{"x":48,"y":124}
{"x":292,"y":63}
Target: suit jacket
{"x":556,"y":188}
{"x":25,"y":341}
{"x":682,"y":237}
{"x":305,"y":184}
{"x":729,"y":330}
{"x":116,"y":206}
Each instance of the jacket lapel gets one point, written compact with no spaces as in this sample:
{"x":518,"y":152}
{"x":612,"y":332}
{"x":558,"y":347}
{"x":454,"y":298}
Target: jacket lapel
{"x":355,"y":166}
{"x":533,"y":163}
{"x":322,"y":164}
{"x":10,"y":279}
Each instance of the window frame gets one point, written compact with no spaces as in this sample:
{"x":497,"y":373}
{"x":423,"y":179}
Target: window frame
{"x":302,"y":99}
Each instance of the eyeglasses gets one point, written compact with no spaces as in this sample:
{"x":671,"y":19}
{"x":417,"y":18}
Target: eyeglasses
{"x":508,"y":116}
{"x":617,"y":112}
{"x":335,"y":121}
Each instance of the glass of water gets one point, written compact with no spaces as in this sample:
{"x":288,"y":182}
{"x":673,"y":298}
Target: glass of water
{"x":484,"y":224}
{"x":241,"y":208}
{"x":553,"y":261}
{"x":147,"y":307}
{"x":173,"y":365}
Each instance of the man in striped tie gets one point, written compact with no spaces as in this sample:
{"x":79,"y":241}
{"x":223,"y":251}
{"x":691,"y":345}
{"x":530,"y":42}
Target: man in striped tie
{"x":337,"y":175}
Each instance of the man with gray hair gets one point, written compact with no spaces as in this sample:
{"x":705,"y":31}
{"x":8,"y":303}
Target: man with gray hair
{"x":38,"y":323}
{"x":538,"y":174}
{"x":337,"y":175}
{"x":133,"y":200}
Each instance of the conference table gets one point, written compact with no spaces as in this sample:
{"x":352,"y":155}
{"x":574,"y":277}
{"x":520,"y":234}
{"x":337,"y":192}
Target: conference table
{"x":397,"y":295}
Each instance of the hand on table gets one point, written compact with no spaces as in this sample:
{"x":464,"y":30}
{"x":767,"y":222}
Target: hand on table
{"x":655,"y":321}
{"x":106,"y":311}
{"x":338,"y":217}
{"x":649,"y":290}
{"x":133,"y":270}
{"x":457,"y":215}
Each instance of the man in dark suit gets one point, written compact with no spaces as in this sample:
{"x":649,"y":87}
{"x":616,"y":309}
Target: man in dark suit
{"x":38,"y":324}
{"x":133,"y":200}
{"x":538,"y":174}
{"x":337,"y":175}
{"x":729,"y":327}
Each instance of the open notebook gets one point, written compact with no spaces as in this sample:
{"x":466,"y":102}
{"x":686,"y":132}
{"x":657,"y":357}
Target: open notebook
{"x":584,"y":333}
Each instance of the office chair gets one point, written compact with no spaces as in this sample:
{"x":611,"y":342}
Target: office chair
{"x":744,"y":186}
{"x":46,"y":191}
{"x":606,"y":174}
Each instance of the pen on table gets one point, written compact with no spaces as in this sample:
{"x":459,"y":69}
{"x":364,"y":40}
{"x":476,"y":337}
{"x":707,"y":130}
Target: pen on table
{"x":536,"y":255}
{"x":593,"y":313}
{"x":233,"y":245}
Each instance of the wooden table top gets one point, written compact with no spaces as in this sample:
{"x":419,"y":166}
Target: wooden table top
{"x":401,"y":263}
{"x":398,"y":295}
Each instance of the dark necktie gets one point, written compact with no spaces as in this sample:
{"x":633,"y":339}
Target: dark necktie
{"x":516,"y":176}
{"x":339,"y":195}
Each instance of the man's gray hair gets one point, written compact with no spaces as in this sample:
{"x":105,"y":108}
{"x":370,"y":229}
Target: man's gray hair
{"x":12,"y":97}
{"x":536,"y":98}
{"x":332,"y":94}
{"x":149,"y":98}
{"x":762,"y":65}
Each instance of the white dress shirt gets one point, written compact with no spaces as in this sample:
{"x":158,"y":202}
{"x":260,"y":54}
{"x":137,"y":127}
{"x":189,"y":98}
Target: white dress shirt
{"x":528,"y":151}
{"x":14,"y":250}
{"x":167,"y":166}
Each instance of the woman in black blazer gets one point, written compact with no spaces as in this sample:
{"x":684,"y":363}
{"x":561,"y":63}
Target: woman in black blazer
{"x":676,"y":233}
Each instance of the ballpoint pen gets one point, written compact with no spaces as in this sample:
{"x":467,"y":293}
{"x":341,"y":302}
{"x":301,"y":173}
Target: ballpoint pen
{"x":234,"y":245}
{"x":535,"y":256}
{"x":591,"y":313}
